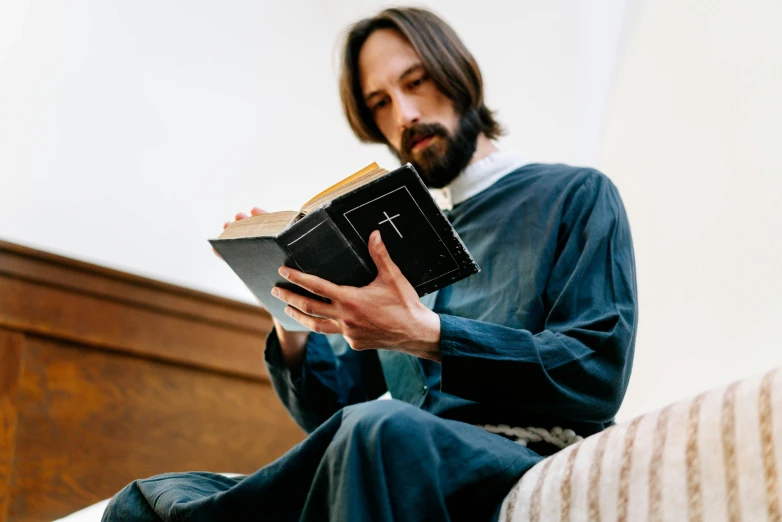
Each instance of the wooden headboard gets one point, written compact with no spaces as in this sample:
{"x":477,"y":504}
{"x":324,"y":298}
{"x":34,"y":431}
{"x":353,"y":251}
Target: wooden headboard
{"x":106,"y":377}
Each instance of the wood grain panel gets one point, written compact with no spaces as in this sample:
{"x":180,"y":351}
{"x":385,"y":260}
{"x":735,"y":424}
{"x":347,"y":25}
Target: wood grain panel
{"x":44,"y":268}
{"x":10,"y":371}
{"x":106,"y":377}
{"x":108,"y":324}
{"x":91,"y":421}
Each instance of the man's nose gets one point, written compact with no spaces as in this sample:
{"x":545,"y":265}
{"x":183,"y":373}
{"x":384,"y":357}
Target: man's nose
{"x":407,"y":113}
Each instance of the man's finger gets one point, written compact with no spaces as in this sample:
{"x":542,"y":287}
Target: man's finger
{"x":324,"y":326}
{"x":240,"y":215}
{"x":314,"y":284}
{"x":307,"y":305}
{"x":257,"y":211}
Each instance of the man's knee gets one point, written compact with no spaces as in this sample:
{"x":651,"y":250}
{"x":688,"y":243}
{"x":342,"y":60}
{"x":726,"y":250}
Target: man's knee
{"x":129,"y":504}
{"x":389,"y":422}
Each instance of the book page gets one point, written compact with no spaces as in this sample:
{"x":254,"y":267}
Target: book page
{"x":269,"y":224}
{"x":361,"y":177}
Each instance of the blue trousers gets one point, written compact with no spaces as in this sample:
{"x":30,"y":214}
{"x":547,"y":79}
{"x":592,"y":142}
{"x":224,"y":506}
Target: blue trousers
{"x":375,"y":461}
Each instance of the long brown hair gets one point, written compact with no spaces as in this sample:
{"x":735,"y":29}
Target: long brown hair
{"x":443,"y":55}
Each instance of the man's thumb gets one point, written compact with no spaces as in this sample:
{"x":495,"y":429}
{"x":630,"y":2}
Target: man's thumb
{"x":377,"y":249}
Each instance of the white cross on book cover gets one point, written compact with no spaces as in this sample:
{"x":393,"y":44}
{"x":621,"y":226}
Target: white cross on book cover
{"x":328,"y":238}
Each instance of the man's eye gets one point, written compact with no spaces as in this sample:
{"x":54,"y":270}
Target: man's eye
{"x":382,"y":103}
{"x":416,"y":83}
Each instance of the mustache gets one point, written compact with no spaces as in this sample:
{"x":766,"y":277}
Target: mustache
{"x":418,"y":131}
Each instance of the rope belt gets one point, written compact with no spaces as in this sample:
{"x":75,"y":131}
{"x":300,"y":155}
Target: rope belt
{"x":557,"y":436}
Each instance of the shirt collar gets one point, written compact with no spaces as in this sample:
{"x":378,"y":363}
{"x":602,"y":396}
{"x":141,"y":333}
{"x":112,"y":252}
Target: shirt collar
{"x":477,"y":177}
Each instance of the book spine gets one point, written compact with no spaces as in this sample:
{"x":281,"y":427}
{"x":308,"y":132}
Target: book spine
{"x":356,"y":244}
{"x":315,"y":245}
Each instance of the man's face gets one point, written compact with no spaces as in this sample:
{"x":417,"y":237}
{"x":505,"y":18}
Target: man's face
{"x":419,"y":122}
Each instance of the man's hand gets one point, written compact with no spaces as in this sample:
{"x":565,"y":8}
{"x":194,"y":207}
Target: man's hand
{"x":241,"y":215}
{"x":385,"y":314}
{"x":255,"y":211}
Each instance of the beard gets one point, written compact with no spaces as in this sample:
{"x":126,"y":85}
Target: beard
{"x":446,"y":155}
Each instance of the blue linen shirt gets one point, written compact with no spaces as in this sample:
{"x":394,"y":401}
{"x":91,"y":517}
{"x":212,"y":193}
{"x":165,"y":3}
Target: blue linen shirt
{"x":543,"y":336}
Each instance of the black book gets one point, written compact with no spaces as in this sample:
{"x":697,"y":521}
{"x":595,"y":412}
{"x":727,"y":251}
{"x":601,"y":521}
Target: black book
{"x":328,"y":238}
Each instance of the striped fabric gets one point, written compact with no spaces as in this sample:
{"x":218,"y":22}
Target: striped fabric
{"x":716,"y":457}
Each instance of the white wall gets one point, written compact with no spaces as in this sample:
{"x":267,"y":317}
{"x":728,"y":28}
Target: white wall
{"x":129,"y":131}
{"x":693,"y":143}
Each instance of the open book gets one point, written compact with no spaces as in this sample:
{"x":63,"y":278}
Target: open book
{"x":328,"y":238}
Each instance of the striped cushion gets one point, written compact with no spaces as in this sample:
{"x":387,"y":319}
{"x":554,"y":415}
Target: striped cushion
{"x":716,"y":457}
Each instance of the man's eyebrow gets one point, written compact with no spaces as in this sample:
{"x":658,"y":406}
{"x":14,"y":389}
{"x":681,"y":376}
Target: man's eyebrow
{"x":410,"y":70}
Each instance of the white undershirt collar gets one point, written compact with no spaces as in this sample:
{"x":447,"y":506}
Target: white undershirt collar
{"x":477,"y":177}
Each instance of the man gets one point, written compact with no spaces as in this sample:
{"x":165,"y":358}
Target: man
{"x":542,"y":337}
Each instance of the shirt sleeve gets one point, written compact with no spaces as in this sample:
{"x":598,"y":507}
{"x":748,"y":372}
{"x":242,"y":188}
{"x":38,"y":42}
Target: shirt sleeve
{"x":331,"y":376}
{"x":579,"y":365}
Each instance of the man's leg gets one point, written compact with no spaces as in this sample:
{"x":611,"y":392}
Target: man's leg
{"x":381,"y":460}
{"x":391,"y":461}
{"x":276,"y":492}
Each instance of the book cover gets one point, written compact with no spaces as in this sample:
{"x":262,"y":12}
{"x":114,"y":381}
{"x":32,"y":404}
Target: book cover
{"x":331,"y":242}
